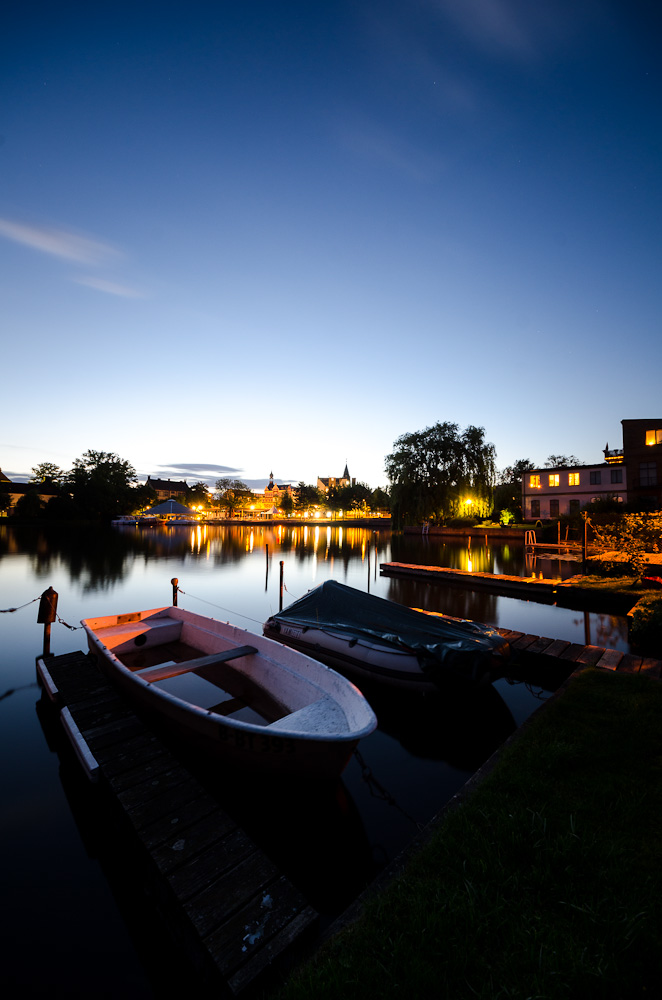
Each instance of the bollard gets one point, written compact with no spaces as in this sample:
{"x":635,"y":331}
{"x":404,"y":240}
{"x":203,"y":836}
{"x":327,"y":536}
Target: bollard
{"x":174,"y":583}
{"x":46,"y":616}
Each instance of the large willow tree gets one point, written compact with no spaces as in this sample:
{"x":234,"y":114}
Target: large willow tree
{"x":434,"y":472}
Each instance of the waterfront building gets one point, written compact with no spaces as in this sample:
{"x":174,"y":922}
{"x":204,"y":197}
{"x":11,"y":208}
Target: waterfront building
{"x":166,"y":488}
{"x":632,"y":473}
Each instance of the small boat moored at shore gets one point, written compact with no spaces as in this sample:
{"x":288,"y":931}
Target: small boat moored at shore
{"x":240,"y":696}
{"x":372,"y":638}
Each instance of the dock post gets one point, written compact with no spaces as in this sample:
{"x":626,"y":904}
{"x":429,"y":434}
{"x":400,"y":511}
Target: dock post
{"x":280,"y":599}
{"x":175,"y":584}
{"x":46,"y":616}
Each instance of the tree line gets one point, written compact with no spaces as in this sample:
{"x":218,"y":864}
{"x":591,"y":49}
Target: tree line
{"x":101,"y":485}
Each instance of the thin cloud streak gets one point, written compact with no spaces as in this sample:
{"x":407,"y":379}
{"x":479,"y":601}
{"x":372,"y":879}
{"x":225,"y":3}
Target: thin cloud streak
{"x":58,"y":243}
{"x":199,"y":469}
{"x":110,"y":287}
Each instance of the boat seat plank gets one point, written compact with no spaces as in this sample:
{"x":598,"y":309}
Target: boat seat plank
{"x":323,"y":716}
{"x":170,"y":669}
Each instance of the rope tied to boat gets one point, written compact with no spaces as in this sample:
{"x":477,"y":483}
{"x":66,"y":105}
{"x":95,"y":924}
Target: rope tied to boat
{"x":228,"y":611}
{"x":378,"y":791}
{"x":73,"y":628}
{"x":9,"y":611}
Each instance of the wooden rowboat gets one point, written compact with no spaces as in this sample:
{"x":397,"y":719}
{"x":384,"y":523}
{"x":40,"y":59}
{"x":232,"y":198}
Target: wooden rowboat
{"x":248,"y":699}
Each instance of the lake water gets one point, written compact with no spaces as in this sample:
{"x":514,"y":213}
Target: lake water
{"x":76,"y":920}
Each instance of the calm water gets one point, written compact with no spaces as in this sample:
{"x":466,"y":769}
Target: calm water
{"x":70,"y":887}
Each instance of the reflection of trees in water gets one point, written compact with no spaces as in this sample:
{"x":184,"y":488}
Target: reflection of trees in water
{"x":603,"y":630}
{"x":92,"y":554}
{"x":479,"y":605}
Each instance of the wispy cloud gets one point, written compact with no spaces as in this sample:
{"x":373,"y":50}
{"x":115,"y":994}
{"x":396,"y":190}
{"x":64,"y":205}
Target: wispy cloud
{"x":199,"y":469}
{"x":59,"y":243}
{"x":111,"y":287}
{"x":515,"y":29}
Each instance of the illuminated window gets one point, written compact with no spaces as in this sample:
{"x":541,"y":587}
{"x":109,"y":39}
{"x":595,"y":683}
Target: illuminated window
{"x":534,"y":481}
{"x":654,"y":437}
{"x":573,"y":479}
{"x":554,"y":479}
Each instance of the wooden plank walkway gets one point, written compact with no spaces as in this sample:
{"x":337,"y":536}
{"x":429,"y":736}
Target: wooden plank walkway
{"x":527,"y":646}
{"x":533,"y":589}
{"x":236,"y":915}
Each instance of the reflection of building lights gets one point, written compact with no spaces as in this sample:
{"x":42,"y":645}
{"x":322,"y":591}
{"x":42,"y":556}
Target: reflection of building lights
{"x":470,"y":566}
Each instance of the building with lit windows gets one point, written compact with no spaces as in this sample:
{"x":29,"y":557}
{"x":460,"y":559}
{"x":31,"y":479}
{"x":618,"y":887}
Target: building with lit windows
{"x":333,"y":482}
{"x":631,"y":473}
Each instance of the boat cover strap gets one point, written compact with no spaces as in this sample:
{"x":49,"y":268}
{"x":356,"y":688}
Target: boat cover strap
{"x":163,"y":670}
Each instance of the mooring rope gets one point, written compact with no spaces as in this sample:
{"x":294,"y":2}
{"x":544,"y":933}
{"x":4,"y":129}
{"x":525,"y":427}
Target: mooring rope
{"x":73,"y":628}
{"x":377,"y":790}
{"x":220,"y":608}
{"x":8,"y":611}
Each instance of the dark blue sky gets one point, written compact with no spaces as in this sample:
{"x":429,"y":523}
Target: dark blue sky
{"x":275,"y":236}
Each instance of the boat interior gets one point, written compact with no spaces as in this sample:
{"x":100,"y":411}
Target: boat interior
{"x":174,"y":656}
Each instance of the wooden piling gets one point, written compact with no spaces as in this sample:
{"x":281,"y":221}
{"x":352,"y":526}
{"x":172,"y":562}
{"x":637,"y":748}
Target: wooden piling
{"x":46,"y":616}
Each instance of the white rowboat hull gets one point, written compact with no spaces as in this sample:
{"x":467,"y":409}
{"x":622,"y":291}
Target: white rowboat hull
{"x":233,"y":694}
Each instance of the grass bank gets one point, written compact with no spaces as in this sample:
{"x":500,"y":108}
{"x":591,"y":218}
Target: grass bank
{"x":543,"y":883}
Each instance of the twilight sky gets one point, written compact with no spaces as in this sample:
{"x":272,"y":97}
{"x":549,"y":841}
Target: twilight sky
{"x":251,"y":236}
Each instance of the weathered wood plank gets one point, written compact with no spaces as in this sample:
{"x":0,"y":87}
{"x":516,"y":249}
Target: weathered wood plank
{"x":630,"y":664}
{"x":558,"y":647}
{"x":524,"y":642}
{"x":572,"y":651}
{"x":610,"y":659}
{"x":300,"y":926}
{"x":540,"y":645}
{"x":651,"y":667}
{"x":218,"y":858}
{"x":186,"y":841}
{"x":164,"y":830}
{"x":237,"y":941}
{"x":590,"y":655}
{"x":219,"y":901}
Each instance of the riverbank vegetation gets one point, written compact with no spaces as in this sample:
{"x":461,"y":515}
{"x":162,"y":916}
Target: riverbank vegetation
{"x":544,"y":883}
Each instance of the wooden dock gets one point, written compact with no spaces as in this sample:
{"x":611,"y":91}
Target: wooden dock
{"x":559,"y":651}
{"x":543,"y":591}
{"x":237,"y":918}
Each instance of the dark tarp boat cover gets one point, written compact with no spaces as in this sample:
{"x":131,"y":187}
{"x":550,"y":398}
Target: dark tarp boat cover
{"x":435,"y":640}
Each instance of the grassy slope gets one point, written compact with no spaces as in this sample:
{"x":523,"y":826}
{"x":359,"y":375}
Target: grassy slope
{"x":545,"y":883}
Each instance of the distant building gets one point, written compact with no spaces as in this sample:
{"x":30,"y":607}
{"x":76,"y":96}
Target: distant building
{"x":45,"y":491}
{"x":276,"y":491}
{"x":166,"y":488}
{"x":331,"y":482}
{"x":631,"y":473}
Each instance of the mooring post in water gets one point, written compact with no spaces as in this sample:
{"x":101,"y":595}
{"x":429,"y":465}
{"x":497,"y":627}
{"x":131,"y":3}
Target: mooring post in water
{"x":280,"y":598}
{"x":266,"y":581}
{"x":175,"y":583}
{"x":47,"y":615}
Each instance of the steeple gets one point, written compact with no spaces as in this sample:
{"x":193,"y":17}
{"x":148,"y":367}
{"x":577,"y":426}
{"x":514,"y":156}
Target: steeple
{"x":345,"y":474}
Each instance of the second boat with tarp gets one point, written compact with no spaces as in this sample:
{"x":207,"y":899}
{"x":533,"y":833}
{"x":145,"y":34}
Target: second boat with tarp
{"x":370,"y":637}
